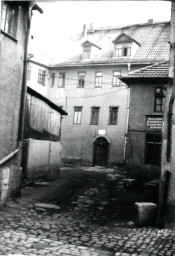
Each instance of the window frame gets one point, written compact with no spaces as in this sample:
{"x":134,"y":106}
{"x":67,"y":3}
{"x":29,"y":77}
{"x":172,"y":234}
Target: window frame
{"x":111,"y":120}
{"x":162,"y":99}
{"x":121,"y":49}
{"x":87,"y":52}
{"x":12,"y":33}
{"x":62,"y":79}
{"x":81,"y":79}
{"x":97,"y":79}
{"x":77,"y":115}
{"x":41,"y":76}
{"x":154,"y":143}
{"x":94,"y":110}
{"x":52,"y":80}
{"x":118,"y":81}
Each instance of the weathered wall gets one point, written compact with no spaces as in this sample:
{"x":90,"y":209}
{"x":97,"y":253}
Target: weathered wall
{"x":44,"y":159}
{"x":141,"y":104}
{"x":11,"y":77}
{"x":12,"y":53}
{"x":168,"y":164}
{"x":77,"y":139}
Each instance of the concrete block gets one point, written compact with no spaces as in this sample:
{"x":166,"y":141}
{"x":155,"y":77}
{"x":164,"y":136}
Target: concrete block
{"x":129,"y":183}
{"x":145,"y":213}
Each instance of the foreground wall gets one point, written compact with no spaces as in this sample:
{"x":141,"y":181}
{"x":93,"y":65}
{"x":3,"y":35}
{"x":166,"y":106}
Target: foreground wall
{"x":44,"y":158}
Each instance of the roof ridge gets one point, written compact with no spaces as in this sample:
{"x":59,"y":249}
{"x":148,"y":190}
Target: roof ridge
{"x":131,"y":25}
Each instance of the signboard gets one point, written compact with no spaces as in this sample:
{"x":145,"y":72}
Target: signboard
{"x":154,"y":122}
{"x":101,"y":132}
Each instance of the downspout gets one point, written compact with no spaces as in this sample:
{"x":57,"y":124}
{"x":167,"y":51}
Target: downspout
{"x":127,"y":121}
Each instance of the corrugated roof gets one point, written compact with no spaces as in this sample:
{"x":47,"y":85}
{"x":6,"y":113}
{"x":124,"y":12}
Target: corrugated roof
{"x":153,"y":40}
{"x":158,"y":70}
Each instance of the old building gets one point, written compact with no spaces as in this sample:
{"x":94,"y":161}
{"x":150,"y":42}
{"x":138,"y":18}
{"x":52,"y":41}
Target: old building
{"x":144,"y":135}
{"x":85,"y":83}
{"x":15,"y":28}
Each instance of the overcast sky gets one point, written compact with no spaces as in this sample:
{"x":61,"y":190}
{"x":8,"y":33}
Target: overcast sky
{"x":62,"y":19}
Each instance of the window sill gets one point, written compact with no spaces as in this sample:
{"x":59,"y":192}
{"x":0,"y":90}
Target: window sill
{"x":9,"y":36}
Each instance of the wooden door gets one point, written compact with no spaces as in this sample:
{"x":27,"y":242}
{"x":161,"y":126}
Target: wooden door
{"x":100,"y":154}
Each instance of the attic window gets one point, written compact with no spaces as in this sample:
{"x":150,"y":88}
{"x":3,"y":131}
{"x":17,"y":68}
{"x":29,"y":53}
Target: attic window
{"x":123,"y":50}
{"x":86,"y":52}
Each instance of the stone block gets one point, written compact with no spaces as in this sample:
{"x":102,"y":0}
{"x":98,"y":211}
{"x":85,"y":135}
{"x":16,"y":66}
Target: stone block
{"x":145,"y":213}
{"x":129,"y":183}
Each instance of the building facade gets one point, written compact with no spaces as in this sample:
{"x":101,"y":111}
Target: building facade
{"x":15,"y":27}
{"x":86,"y":84}
{"x":147,"y":100}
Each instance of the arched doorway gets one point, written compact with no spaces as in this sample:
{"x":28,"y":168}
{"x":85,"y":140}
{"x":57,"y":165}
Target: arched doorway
{"x":100,"y":151}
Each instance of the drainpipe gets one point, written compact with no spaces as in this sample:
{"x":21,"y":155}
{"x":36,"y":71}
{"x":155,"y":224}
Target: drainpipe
{"x":127,"y":121}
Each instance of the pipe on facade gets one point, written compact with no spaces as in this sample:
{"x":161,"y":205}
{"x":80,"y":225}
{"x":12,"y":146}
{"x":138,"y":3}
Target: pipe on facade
{"x":5,"y":159}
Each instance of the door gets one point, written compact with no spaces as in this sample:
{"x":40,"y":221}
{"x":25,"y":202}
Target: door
{"x":101,"y":150}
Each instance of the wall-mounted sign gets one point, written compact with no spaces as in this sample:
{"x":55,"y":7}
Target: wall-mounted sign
{"x":101,"y":132}
{"x":154,"y":122}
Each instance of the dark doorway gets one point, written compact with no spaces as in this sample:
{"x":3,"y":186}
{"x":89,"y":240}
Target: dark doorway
{"x":101,"y":152}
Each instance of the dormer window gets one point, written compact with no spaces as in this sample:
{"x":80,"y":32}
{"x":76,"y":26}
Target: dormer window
{"x":89,"y":50}
{"x":123,"y":50}
{"x":125,"y":46}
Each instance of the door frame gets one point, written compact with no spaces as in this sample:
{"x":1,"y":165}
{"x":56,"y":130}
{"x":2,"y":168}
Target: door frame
{"x":108,"y":145}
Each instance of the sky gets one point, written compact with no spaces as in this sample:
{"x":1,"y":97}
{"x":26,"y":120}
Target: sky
{"x":63,"y":19}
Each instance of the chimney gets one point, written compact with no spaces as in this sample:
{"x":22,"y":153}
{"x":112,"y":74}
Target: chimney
{"x":91,"y":28}
{"x":150,"y":21}
{"x":84,"y":34}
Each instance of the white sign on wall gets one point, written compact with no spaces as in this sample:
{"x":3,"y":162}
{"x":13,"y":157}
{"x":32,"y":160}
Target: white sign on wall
{"x":101,"y":132}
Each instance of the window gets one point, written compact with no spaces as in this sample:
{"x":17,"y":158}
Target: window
{"x":153,"y":148}
{"x":81,"y":79}
{"x":116,"y":80}
{"x":77,"y":115}
{"x":41,"y":76}
{"x":29,"y":72}
{"x":159,"y":99}
{"x":9,"y":19}
{"x":62,"y":77}
{"x":52,"y":79}
{"x":86,"y":52}
{"x":98,"y":79}
{"x":94,"y":115}
{"x":113,"y":113}
{"x":122,"y":51}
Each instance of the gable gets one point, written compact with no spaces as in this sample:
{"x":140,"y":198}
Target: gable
{"x":124,"y":38}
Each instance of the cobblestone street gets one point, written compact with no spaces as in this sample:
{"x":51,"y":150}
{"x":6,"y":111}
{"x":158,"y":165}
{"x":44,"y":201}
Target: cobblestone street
{"x":82,"y":227}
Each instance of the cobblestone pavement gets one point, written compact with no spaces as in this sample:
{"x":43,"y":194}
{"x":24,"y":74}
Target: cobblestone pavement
{"x":75,"y":230}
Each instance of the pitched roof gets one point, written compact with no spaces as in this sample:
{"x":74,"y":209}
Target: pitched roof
{"x":123,"y":37}
{"x":90,"y":43}
{"x":46,"y":100}
{"x":158,"y":70}
{"x":153,"y":40}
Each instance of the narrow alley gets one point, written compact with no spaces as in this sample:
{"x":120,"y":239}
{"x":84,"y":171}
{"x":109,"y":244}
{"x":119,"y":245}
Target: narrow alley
{"x":81,"y":213}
